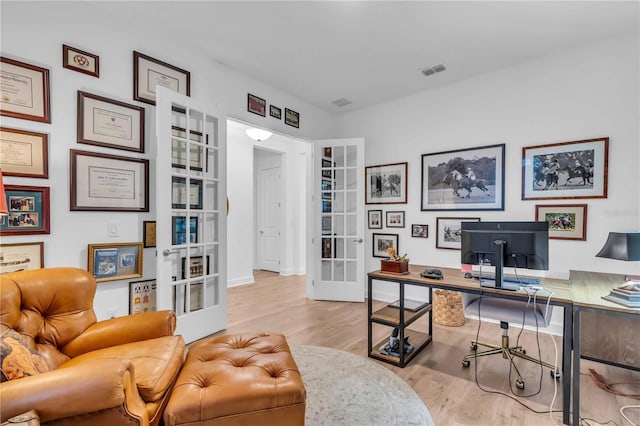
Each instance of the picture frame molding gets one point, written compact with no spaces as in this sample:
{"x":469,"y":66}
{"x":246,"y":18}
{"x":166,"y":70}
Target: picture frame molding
{"x":42,"y":91}
{"x":368,"y":173}
{"x":447,"y":245}
{"x":66,"y":63}
{"x":93,"y":250}
{"x":41,"y":208}
{"x":39,"y":166}
{"x":174,"y":72}
{"x":580,"y":233}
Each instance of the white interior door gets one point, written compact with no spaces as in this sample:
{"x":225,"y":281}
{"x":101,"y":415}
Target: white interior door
{"x":338,"y":204}
{"x":269,"y":219}
{"x":191,"y":215}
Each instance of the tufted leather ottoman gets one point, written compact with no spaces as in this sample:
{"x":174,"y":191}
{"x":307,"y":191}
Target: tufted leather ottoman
{"x":238,"y":379}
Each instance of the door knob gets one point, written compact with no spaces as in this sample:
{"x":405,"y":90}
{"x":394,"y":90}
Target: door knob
{"x":168,"y":252}
{"x":358,"y":240}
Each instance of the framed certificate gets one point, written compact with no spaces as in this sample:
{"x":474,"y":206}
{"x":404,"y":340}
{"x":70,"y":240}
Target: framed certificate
{"x":21,"y":257}
{"x":179,"y":193}
{"x":110,"y":123}
{"x":24,"y":92}
{"x":179,"y":149}
{"x":101,"y":182}
{"x":24,"y":153}
{"x":149,"y":72}
{"x":117,"y":261}
{"x":28,"y":211}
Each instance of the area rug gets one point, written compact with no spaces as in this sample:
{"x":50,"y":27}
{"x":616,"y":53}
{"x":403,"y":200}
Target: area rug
{"x":347,"y":389}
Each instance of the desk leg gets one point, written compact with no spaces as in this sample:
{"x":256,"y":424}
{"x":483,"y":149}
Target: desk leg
{"x":567,"y":339}
{"x":369,"y":312}
{"x":576,"y":368}
{"x":401,"y":325}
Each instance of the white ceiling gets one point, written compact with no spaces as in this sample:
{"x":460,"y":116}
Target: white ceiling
{"x":373,"y":51}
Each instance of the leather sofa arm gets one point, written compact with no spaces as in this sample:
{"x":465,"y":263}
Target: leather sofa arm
{"x":80,"y":390}
{"x":122,"y":330}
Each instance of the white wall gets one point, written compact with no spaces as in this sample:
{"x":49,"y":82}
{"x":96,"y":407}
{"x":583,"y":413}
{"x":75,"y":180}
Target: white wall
{"x":584,"y":93}
{"x":91,"y":26}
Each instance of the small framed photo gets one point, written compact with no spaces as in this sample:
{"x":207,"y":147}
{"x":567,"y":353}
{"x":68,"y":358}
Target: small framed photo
{"x":256,"y":105}
{"x":326,"y":225}
{"x":291,"y":118}
{"x":103,"y":182}
{"x":386,"y":184}
{"x":449,"y":231}
{"x":275,"y":112}
{"x":196,"y":267}
{"x":24,"y":153}
{"x":566,"y":170}
{"x":464,"y":179}
{"x":21,"y":257}
{"x":28,"y":210}
{"x":327,"y":207}
{"x":142,"y":296}
{"x":381,"y":242}
{"x":110,"y":123}
{"x":179,"y":193}
{"x":149,"y":233}
{"x":80,"y":61}
{"x":328,"y":248}
{"x":179,"y":149}
{"x":149,"y":72}
{"x":375,"y":219}
{"x":24,"y":92}
{"x":566,"y":221}
{"x":420,"y":231}
{"x":395,"y":219}
{"x":180,"y":233}
{"x":116,"y":261}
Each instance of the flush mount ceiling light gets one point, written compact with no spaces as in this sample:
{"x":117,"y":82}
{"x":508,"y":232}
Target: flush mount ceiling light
{"x":258,"y":135}
{"x":434,"y":69}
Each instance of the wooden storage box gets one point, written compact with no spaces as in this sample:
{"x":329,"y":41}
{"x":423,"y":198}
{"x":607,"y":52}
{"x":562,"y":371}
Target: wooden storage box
{"x":394,"y":266}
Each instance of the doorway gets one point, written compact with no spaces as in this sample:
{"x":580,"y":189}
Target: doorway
{"x":267,"y":167}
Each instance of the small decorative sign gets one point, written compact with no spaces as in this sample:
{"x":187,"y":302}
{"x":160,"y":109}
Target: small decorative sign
{"x":275,"y":112}
{"x":80,"y":61}
{"x":291,"y":118}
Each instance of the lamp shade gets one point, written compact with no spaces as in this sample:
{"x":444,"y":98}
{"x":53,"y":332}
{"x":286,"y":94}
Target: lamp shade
{"x":4,"y":210}
{"x":621,"y":246}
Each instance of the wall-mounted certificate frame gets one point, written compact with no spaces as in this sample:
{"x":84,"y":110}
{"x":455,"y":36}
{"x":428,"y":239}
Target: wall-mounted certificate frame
{"x":110,"y":123}
{"x":116,"y":261}
{"x":149,"y":72}
{"x":179,"y":150}
{"x":28,"y":211}
{"x":102,"y":182}
{"x":21,"y":257}
{"x":149,"y":233}
{"x":292,"y":118}
{"x":80,"y":61}
{"x":24,"y":153}
{"x":179,"y":193}
{"x":24,"y":92}
{"x":142,"y":296}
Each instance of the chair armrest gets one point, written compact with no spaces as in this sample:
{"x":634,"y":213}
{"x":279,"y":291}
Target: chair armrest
{"x":122,"y":330}
{"x":96,"y":385}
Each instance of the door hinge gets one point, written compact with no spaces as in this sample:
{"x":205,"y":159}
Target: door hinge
{"x":313,"y":283}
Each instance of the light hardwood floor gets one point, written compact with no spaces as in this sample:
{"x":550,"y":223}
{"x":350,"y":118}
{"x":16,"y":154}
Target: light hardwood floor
{"x":278,"y":304}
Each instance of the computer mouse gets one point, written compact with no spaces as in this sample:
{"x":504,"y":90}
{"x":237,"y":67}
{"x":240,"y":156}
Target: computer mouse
{"x":468,"y":275}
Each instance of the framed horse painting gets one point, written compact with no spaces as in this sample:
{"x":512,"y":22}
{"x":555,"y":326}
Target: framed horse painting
{"x":386,"y":184}
{"x":464,"y":179}
{"x":566,"y":170}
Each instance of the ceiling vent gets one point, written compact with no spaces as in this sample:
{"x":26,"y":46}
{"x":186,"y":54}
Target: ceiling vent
{"x":434,"y":69}
{"x":341,"y":102}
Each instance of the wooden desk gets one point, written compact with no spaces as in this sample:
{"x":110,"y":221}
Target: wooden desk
{"x":605,"y":331}
{"x":454,"y":280}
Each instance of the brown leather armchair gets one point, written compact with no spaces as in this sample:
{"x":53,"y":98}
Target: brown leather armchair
{"x":118,"y":371}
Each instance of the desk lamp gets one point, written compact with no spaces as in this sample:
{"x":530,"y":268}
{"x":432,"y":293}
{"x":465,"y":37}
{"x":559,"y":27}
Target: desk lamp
{"x":624,"y":246}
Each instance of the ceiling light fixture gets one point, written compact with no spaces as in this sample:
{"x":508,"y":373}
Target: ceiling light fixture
{"x":434,"y":69}
{"x":258,"y":135}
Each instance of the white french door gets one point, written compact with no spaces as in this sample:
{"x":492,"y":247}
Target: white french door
{"x":191,"y":215}
{"x":338,"y":205}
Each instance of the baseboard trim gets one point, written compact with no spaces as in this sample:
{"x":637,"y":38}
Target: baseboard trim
{"x":241,"y":281}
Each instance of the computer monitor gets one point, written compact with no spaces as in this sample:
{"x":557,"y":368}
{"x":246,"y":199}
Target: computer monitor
{"x":512,"y":244}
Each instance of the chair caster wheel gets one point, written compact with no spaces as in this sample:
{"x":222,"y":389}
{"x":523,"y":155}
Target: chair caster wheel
{"x":555,"y":374}
{"x":519,"y":384}
{"x":524,"y":352}
{"x":466,"y":363}
{"x":474,"y":347}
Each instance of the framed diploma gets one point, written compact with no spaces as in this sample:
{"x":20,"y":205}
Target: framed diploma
{"x":80,"y":61}
{"x":179,"y":149}
{"x":102,"y":182}
{"x":149,"y":233}
{"x":110,"y":123}
{"x":28,"y":211}
{"x":23,"y":153}
{"x":117,"y":261}
{"x":149,"y":72}
{"x":179,"y":193}
{"x":24,"y":91}
{"x":21,"y":257}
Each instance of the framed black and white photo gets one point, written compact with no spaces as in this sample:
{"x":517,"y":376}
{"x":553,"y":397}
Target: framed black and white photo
{"x":114,"y":261}
{"x":566,"y":221}
{"x":395,"y":219}
{"x":420,"y":231}
{"x":382,"y":242}
{"x":275,"y":112}
{"x":110,"y":123}
{"x":256,"y":105}
{"x":292,"y":118}
{"x":449,"y":231}
{"x":566,"y":170}
{"x":149,"y":72}
{"x":464,"y":179}
{"x":25,"y":91}
{"x":386,"y":184}
{"x":375,"y":219}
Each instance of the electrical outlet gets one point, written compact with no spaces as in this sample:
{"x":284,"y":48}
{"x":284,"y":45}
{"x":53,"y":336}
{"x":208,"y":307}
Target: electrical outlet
{"x":112,"y":312}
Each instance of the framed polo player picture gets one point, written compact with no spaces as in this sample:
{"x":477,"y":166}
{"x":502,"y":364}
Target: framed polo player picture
{"x":463,"y":179}
{"x":386,"y":184}
{"x":566,"y":170}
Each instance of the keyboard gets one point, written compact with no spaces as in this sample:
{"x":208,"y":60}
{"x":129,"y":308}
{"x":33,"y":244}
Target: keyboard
{"x":509,"y":282}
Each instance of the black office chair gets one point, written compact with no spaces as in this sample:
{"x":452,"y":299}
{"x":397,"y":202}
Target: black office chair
{"x":509,"y":309}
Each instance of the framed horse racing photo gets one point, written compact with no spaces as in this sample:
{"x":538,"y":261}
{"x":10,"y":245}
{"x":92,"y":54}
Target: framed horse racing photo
{"x":449,"y":231}
{"x":566,"y":170}
{"x":464,"y":179}
{"x":566,"y":221}
{"x":386,"y":184}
